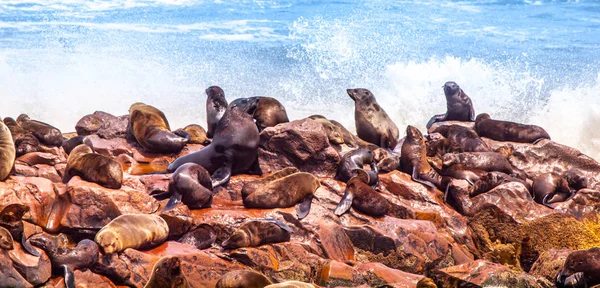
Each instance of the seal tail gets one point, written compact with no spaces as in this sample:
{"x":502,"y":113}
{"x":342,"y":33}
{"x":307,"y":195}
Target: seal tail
{"x":303,"y":208}
{"x":173,"y":201}
{"x":344,"y":204}
{"x":28,"y":247}
{"x":69,"y":277}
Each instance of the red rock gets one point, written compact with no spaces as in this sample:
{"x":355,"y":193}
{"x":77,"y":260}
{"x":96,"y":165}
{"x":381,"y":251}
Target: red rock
{"x":34,"y":158}
{"x":60,"y":168}
{"x":35,"y":192}
{"x":9,"y":275}
{"x":110,"y":147}
{"x":36,"y":270}
{"x":377,"y":274}
{"x":482,"y":273}
{"x":550,"y":263}
{"x":48,"y":172}
{"x":25,"y":170}
{"x":335,"y":242}
{"x":156,"y":183}
{"x":585,"y":203}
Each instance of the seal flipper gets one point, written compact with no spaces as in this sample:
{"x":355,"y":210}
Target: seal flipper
{"x":436,"y":118}
{"x":279,"y":223}
{"x":28,"y":246}
{"x":221,"y":176}
{"x":69,"y":277}
{"x":575,"y":280}
{"x":544,"y":202}
{"x":344,"y":204}
{"x":415,"y":177}
{"x":173,"y":201}
{"x":181,"y":133}
{"x":303,"y":208}
{"x":373,"y":175}
{"x":472,"y":112}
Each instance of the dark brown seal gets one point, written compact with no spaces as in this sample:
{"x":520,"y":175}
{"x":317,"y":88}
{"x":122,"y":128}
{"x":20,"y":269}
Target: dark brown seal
{"x":362,"y":197}
{"x":468,"y":139}
{"x":508,"y":131}
{"x":459,"y":171}
{"x":458,"y":106}
{"x":191,"y":185}
{"x":167,"y":274}
{"x":441,"y":147}
{"x":11,"y":219}
{"x":551,"y":188}
{"x":93,"y":167}
{"x":356,"y":160}
{"x":151,"y":129}
{"x":372,"y":122}
{"x":286,"y":192}
{"x":69,"y":144}
{"x":243,"y":279}
{"x":66,"y":260}
{"x":269,"y":112}
{"x":25,"y":141}
{"x":251,"y":187}
{"x":413,"y":159}
{"x":581,"y":269}
{"x":493,"y":179}
{"x":8,"y":153}
{"x":216,"y":105}
{"x":388,"y":164}
{"x":234,"y":148}
{"x":258,"y":232}
{"x":487,"y":161}
{"x":202,"y":237}
{"x":46,"y":133}
{"x":576,"y":179}
{"x":334,"y":132}
{"x":196,"y":133}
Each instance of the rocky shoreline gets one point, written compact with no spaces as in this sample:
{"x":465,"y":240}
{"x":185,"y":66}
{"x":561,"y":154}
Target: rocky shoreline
{"x":501,"y":237}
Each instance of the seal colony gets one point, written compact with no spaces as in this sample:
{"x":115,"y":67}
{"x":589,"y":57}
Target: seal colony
{"x":201,"y":168}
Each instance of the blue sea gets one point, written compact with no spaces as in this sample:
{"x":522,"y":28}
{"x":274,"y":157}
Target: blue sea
{"x":530,"y":61}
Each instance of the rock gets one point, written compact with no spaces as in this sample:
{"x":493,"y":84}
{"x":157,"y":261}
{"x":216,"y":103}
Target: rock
{"x":48,"y":172}
{"x":26,"y":170}
{"x":110,"y":147}
{"x":36,"y":270}
{"x":155,"y":183}
{"x":586,"y":202}
{"x":34,"y":158}
{"x":104,"y":124}
{"x":301,"y":143}
{"x":9,"y":275}
{"x":37,"y":193}
{"x":335,"y":242}
{"x":550,"y":263}
{"x":336,"y":274}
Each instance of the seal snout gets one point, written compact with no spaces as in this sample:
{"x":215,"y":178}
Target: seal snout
{"x":213,"y":91}
{"x":450,"y":88}
{"x":352,"y":93}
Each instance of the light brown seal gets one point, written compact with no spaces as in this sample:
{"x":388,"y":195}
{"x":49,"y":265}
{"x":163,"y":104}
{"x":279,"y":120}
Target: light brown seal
{"x":258,"y":232}
{"x":93,"y":167}
{"x":252,"y":186}
{"x":46,"y":133}
{"x":413,"y":159}
{"x":362,"y":197}
{"x":508,"y":131}
{"x":458,"y":105}
{"x":151,"y":129}
{"x":196,"y":133}
{"x":25,"y":141}
{"x":8,"y":153}
{"x":167,"y":273}
{"x":137,"y":231}
{"x":269,"y":113}
{"x":6,"y":240}
{"x":334,"y":132}
{"x":243,"y":279}
{"x":216,"y":105}
{"x":372,"y":122}
{"x":191,"y":185}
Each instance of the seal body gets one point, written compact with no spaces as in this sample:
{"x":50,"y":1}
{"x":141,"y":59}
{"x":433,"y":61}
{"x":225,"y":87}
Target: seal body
{"x":8,"y":153}
{"x":93,"y":167}
{"x":251,"y":187}
{"x":458,"y":105}
{"x":151,"y":129}
{"x":202,"y":237}
{"x":468,"y":139}
{"x":234,"y":148}
{"x":243,"y":279}
{"x":216,"y":105}
{"x":6,"y":240}
{"x":441,"y":147}
{"x":269,"y":112}
{"x":581,"y":269}
{"x":46,"y":133}
{"x":334,"y":132}
{"x":493,"y":179}
{"x":413,"y":159}
{"x":196,"y":133}
{"x":458,"y":171}
{"x":356,"y":160}
{"x":167,"y":274}
{"x":508,"y":131}
{"x":551,"y":188}
{"x":372,"y":122}
{"x":362,"y":197}
{"x":25,"y":141}
{"x":11,"y":219}
{"x":190,"y":184}
{"x":258,"y":232}
{"x":137,"y":231}
{"x":487,"y":161}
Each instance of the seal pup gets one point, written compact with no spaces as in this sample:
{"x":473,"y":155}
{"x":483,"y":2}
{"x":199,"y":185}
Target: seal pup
{"x":243,"y":279}
{"x":487,"y":161}
{"x":93,"y":167}
{"x":286,"y":192}
{"x":459,"y":171}
{"x":167,"y":273}
{"x":258,"y":232}
{"x":362,"y":197}
{"x":216,"y":105}
{"x":441,"y":147}
{"x":581,"y":269}
{"x":82,"y":256}
{"x":388,"y":164}
{"x":11,"y":219}
{"x":252,"y":186}
{"x":6,"y":240}
{"x":137,"y":231}
{"x":356,"y":160}
{"x":151,"y":130}
{"x":190,"y":184}
{"x":550,"y":188}
{"x":8,"y":153}
{"x":352,"y":140}
{"x":334,"y":132}
{"x":491,"y":180}
{"x":413,"y":159}
{"x":46,"y":133}
{"x":508,"y":131}
{"x":69,"y":144}
{"x":25,"y":141}
{"x":202,"y":237}
{"x":269,"y":112}
{"x":196,"y":132}
{"x":372,"y":122}
{"x":234,"y":148}
{"x":468,"y":139}
{"x":458,"y":106}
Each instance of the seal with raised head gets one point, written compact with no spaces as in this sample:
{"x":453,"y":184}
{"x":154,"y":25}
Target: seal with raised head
{"x":234,"y":148}
{"x":269,"y":112}
{"x":334,"y":133}
{"x":196,"y":133}
{"x":372,"y":122}
{"x":8,"y":153}
{"x":191,"y":185}
{"x":551,"y":188}
{"x":167,"y":273}
{"x":286,"y":192}
{"x":458,"y":106}
{"x":25,"y":141}
{"x":508,"y":131}
{"x":6,"y":240}
{"x":243,"y":279}
{"x":487,"y":161}
{"x":11,"y":219}
{"x":151,"y":129}
{"x":413,"y":159}
{"x":252,"y":186}
{"x":216,"y":105}
{"x":46,"y":133}
{"x":491,"y":180}
{"x":356,"y":160}
{"x":93,"y":167}
{"x":468,"y":139}
{"x":362,"y":197}
{"x":137,"y":231}
{"x":258,"y":232}
{"x":581,"y":269}
{"x":66,"y":260}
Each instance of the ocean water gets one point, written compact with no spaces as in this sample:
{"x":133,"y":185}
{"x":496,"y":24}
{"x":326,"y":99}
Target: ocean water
{"x":530,"y":61}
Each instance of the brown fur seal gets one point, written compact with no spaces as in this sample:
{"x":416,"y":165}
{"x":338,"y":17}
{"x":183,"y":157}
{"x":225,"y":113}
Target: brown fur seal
{"x":269,"y":112}
{"x":550,"y":188}
{"x":352,"y":140}
{"x":334,"y":133}
{"x":46,"y":133}
{"x":192,"y":185}
{"x":202,"y":237}
{"x":66,"y":260}
{"x":490,"y":180}
{"x":6,"y":240}
{"x":196,"y":132}
{"x":93,"y":167}
{"x":459,"y":171}
{"x":441,"y":147}
{"x":69,"y":144}
{"x":234,"y":148}
{"x":487,"y":161}
{"x":388,"y":164}
{"x":286,"y":192}
{"x":251,"y":187}
{"x":167,"y":274}
{"x":151,"y":129}
{"x":11,"y":219}
{"x":458,"y":106}
{"x":576,"y":179}
{"x":137,"y":231}
{"x":243,"y":279}
{"x":291,"y":284}
{"x":356,"y":160}
{"x":8,"y":153}
{"x":258,"y":232}
{"x":372,"y":123}
{"x":25,"y":141}
{"x":362,"y":197}
{"x":216,"y":105}
{"x":581,"y":269}
{"x":508,"y":131}
{"x":468,"y":139}
{"x":413,"y":159}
